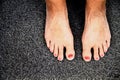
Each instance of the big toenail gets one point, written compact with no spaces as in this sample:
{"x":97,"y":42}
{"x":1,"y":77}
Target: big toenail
{"x":70,"y":55}
{"x":87,"y":57}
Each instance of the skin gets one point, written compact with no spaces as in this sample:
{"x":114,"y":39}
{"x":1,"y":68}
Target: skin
{"x":57,"y":30}
{"x":58,"y":34}
{"x":96,"y":33}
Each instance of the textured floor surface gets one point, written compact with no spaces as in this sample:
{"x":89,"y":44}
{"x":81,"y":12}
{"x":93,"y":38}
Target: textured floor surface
{"x":23,"y":52}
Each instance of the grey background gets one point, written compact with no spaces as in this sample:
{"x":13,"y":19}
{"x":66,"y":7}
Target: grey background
{"x":23,"y":52}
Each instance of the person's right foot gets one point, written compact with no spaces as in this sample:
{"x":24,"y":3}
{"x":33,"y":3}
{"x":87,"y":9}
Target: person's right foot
{"x":58,"y":33}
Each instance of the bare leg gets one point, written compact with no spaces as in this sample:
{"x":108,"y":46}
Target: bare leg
{"x":57,"y":30}
{"x":96,"y":33}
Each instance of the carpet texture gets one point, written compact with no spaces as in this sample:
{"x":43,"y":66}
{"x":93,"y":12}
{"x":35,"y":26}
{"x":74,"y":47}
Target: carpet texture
{"x":23,"y":51}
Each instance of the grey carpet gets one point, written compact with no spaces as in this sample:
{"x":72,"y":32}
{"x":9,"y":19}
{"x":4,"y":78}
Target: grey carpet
{"x":23,"y":52}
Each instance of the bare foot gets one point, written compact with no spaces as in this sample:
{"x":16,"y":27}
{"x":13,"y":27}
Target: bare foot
{"x":96,"y":34}
{"x":58,"y":34}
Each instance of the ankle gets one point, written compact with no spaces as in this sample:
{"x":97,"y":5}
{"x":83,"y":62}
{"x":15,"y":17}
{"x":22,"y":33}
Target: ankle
{"x":56,"y":5}
{"x":96,"y":5}
{"x":95,"y":8}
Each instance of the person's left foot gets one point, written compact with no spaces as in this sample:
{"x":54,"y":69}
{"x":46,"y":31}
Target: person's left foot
{"x":96,"y":34}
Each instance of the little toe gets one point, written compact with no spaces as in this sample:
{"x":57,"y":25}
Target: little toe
{"x":101,"y":51}
{"x":108,"y":43}
{"x":70,"y":53}
{"x":86,"y":54}
{"x":96,"y":55}
{"x":48,"y":43}
{"x":56,"y":51}
{"x":52,"y":45}
{"x":60,"y":54}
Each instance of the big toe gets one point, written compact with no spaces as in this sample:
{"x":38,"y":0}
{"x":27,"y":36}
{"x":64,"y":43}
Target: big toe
{"x":86,"y":54}
{"x":70,"y":52}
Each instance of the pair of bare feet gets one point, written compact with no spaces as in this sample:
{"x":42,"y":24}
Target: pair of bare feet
{"x":58,"y":34}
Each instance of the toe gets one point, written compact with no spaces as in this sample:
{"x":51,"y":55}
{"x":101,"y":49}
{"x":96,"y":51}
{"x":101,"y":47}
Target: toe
{"x":105,"y":47}
{"x":60,"y":54}
{"x":108,"y":43}
{"x":96,"y":55}
{"x":101,"y":51}
{"x":70,"y":53}
{"x":56,"y":51}
{"x":52,"y":47}
{"x":86,"y":54}
{"x":48,"y":43}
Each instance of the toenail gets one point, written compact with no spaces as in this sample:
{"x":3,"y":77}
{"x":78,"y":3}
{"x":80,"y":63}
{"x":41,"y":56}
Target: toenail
{"x":51,"y":51}
{"x":55,"y":55}
{"x":105,"y":50}
{"x":70,"y":55}
{"x":60,"y":59}
{"x":97,"y":58}
{"x":87,"y":58}
{"x":102,"y":55}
